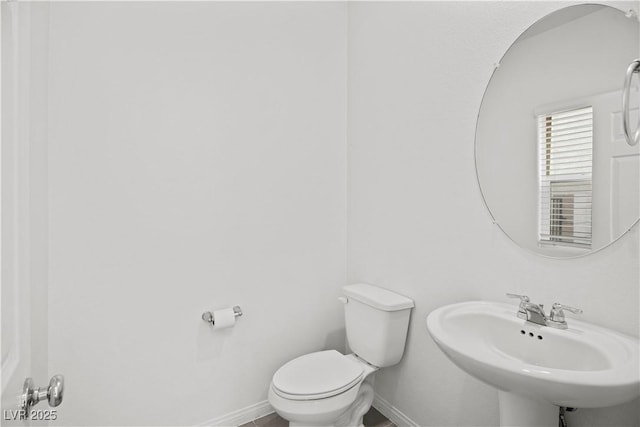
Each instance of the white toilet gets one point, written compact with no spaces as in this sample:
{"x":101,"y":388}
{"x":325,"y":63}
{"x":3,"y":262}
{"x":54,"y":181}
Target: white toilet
{"x":327,"y":388}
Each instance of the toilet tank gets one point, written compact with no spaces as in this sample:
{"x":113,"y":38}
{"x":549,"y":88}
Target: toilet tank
{"x":376,"y":321}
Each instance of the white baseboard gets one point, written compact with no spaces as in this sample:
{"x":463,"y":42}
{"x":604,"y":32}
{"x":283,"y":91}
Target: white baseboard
{"x":392,"y":413}
{"x":260,"y":409}
{"x":241,"y":416}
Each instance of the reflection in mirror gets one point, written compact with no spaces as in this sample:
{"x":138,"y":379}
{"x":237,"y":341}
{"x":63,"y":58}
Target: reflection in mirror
{"x":551,"y":157}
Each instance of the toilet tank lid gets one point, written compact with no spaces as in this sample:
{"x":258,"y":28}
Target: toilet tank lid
{"x":380,"y":298}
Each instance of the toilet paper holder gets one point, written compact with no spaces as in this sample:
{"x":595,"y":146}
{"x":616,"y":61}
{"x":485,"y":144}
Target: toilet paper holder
{"x":207,"y":316}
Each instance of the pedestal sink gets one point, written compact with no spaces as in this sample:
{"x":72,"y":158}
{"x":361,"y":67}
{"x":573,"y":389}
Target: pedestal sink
{"x":537,"y":368}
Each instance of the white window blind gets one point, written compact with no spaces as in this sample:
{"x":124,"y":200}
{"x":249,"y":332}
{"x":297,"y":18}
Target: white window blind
{"x":566,"y":154}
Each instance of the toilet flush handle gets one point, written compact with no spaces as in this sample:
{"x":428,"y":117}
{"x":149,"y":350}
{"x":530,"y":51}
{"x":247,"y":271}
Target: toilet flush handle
{"x":343,"y":300}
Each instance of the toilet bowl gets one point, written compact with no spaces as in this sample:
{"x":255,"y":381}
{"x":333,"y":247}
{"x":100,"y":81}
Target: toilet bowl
{"x":325,"y":388}
{"x":328,"y":388}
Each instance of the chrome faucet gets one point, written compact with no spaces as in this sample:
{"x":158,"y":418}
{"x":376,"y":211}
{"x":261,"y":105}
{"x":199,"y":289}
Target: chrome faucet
{"x":534,"y":313}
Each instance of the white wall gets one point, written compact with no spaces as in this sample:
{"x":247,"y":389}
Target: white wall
{"x":197,"y":160}
{"x":417,"y":224}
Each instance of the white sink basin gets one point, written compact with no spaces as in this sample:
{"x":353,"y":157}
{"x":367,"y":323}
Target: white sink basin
{"x":584,"y":366}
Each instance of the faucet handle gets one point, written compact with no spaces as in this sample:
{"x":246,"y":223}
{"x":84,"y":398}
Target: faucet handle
{"x":523,"y":298}
{"x":558,"y":309}
{"x":522,"y":308}
{"x":556,"y":317}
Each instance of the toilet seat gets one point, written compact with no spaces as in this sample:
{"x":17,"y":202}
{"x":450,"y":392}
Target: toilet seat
{"x":317,"y":375}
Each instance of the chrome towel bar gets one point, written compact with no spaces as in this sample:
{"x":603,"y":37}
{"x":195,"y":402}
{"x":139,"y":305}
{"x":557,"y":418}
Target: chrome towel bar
{"x":632,"y":136}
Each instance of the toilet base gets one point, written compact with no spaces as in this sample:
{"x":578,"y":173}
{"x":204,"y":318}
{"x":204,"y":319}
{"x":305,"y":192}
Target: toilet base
{"x":353,"y":416}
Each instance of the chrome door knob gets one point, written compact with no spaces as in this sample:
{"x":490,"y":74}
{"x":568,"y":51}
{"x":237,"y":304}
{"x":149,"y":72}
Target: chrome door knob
{"x":31,"y":395}
{"x":56,"y":390}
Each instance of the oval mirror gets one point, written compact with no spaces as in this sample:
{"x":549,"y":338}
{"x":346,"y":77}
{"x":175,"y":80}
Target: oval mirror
{"x":554,"y":168}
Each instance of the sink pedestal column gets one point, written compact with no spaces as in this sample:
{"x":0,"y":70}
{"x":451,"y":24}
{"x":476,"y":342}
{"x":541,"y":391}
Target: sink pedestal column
{"x":516,"y":410}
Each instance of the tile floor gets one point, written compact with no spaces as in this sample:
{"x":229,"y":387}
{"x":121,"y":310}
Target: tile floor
{"x":373,"y":418}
